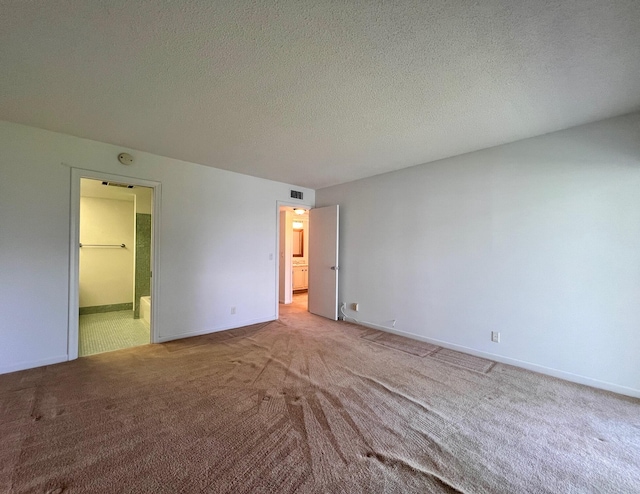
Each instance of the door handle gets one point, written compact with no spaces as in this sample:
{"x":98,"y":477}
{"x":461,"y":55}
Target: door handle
{"x":335,"y":268}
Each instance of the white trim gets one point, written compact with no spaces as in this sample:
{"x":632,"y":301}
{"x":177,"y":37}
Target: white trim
{"x":549,"y":371}
{"x":74,"y":239}
{"x":201,"y":332}
{"x":154,"y":320}
{"x":74,"y":268}
{"x":32,"y":364}
{"x":279,"y":204}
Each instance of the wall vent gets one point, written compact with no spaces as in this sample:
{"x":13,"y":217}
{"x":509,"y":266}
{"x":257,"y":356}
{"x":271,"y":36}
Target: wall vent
{"x":296,"y":194}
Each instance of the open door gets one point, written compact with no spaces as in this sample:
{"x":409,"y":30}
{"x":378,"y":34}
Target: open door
{"x":323,"y":261}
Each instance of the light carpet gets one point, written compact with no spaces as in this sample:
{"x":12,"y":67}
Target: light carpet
{"x":418,"y":348}
{"x":306,"y":405}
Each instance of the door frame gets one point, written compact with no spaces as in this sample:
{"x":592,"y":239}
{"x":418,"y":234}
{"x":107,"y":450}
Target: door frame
{"x":285,"y":204}
{"x":74,"y":251}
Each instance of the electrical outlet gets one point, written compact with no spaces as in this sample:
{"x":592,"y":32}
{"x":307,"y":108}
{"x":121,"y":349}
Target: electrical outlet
{"x":495,"y":336}
{"x":233,"y":310}
{"x":355,"y":306}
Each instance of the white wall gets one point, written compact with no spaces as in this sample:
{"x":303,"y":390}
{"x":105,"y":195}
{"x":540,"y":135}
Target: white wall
{"x":140,"y":195}
{"x":143,"y":199}
{"x":217,"y":233}
{"x":285,"y":246}
{"x":106,"y":274}
{"x":539,"y":240}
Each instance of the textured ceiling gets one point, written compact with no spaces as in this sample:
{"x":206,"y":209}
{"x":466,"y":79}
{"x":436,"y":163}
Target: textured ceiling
{"x":316,"y":92}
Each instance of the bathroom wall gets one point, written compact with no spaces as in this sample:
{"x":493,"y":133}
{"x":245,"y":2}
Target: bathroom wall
{"x":142,"y":282}
{"x":142,"y":261}
{"x":286,"y":238}
{"x":106,"y":273}
{"x":143,"y":199}
{"x":305,"y":239}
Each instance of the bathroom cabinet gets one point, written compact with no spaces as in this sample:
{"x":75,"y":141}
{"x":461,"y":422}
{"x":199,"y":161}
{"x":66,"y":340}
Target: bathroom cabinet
{"x":300,"y":277}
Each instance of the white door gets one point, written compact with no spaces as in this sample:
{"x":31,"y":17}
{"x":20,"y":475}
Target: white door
{"x":323,"y":261}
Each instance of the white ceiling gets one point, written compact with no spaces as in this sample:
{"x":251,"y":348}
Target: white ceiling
{"x":316,"y":92}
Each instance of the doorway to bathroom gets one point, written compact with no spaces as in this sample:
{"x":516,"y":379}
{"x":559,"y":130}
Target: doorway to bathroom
{"x":114,"y":266}
{"x":112,"y":240}
{"x":307,"y":275}
{"x":293,"y":256}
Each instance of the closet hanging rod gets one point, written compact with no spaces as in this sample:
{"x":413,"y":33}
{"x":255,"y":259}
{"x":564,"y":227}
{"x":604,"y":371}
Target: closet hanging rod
{"x":103,"y":245}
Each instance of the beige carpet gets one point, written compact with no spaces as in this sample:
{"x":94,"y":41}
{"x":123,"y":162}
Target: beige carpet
{"x":423,"y":349}
{"x":418,"y":348}
{"x":307,"y":405}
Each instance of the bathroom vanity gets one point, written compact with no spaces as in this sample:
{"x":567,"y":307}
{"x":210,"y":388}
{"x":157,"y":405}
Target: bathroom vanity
{"x":300,"y":276}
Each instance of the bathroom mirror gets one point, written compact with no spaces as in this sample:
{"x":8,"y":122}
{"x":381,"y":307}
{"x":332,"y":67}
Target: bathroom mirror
{"x":298,"y":243}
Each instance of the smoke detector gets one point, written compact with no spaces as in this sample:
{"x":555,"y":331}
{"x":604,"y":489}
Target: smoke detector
{"x":125,"y":159}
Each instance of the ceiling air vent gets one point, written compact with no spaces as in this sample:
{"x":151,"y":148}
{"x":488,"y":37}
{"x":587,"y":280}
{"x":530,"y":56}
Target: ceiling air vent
{"x":296,"y":194}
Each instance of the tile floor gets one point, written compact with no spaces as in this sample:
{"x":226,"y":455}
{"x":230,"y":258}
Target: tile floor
{"x":110,"y":331}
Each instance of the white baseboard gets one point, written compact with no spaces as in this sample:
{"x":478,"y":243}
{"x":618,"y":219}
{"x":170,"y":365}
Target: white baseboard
{"x":163,"y":339}
{"x":32,"y":364}
{"x":549,"y":371}
{"x":568,"y":376}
